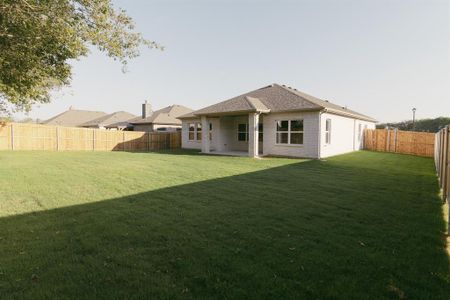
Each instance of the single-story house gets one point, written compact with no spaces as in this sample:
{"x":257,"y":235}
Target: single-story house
{"x":164,"y":119}
{"x":275,"y":120}
{"x":118,"y":120}
{"x":74,"y":117}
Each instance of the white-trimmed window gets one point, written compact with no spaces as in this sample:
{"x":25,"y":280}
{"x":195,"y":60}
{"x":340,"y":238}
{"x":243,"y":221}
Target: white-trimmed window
{"x":199,"y":131}
{"x":195,"y":131}
{"x":210,"y":131}
{"x":359,"y":131}
{"x":289,"y":132}
{"x":191,"y":131}
{"x":242,"y":133}
{"x":260,"y":132}
{"x":328,"y":131}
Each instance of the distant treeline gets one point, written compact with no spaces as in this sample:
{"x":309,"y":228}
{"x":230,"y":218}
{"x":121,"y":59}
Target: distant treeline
{"x":428,"y":125}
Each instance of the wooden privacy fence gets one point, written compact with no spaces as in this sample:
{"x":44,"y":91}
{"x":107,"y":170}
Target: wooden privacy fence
{"x":399,"y":141}
{"x":21,"y":136}
{"x":442,"y":161}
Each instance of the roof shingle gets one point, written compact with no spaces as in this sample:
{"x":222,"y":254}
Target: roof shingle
{"x":275,"y":98}
{"x":74,"y":117}
{"x":167,"y":115}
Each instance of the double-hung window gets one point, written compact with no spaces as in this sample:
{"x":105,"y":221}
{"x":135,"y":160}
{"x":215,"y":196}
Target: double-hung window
{"x":242,"y":132}
{"x":260,"y":132}
{"x":191,"y":131}
{"x":289,"y":132}
{"x":210,"y":131}
{"x":199,"y":131}
{"x":328,"y":131}
{"x":195,"y":131}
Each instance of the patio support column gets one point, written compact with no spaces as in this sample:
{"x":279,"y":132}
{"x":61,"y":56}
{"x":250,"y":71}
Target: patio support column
{"x":253,"y":120}
{"x":205,"y":135}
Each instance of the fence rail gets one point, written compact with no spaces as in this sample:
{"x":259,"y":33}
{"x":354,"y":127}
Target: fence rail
{"x":21,"y":136}
{"x":399,"y":141}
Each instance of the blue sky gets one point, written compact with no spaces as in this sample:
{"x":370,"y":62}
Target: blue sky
{"x":378,"y":57}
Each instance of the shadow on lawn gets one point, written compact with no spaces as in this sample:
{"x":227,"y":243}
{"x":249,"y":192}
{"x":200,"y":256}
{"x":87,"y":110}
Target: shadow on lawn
{"x":308,"y":230}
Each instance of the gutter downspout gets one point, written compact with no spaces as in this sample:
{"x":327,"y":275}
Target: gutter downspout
{"x":354,"y":134}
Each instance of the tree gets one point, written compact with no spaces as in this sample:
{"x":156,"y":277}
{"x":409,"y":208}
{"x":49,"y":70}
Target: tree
{"x":39,"y":38}
{"x":429,"y":125}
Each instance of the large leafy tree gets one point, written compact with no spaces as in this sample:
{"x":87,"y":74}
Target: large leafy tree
{"x":38,"y":38}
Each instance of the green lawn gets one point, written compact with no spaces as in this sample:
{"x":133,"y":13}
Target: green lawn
{"x":182,"y":225}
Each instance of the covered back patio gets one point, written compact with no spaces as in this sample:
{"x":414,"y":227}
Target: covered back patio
{"x":232,"y":134}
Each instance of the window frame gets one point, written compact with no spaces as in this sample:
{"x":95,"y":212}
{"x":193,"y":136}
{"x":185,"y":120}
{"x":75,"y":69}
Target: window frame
{"x":199,"y":125}
{"x":328,"y":131}
{"x":195,"y":132}
{"x":192,"y":131}
{"x":260,"y":132}
{"x":210,"y":131}
{"x":359,"y":132}
{"x":289,"y":132}
{"x":242,"y":132}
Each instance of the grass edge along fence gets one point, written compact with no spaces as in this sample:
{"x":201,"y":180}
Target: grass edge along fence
{"x":399,"y":141}
{"x":22,"y":136}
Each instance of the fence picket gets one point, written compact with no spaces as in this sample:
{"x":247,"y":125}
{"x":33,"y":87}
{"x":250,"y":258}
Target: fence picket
{"x":21,"y":136}
{"x":398,"y":141}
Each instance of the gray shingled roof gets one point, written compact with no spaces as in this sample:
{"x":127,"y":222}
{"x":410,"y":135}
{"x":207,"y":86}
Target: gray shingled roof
{"x":118,"y":119}
{"x":274,"y":98}
{"x":167,"y":115}
{"x":74,"y":117}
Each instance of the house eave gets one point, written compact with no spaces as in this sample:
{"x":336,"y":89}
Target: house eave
{"x":349,"y":115}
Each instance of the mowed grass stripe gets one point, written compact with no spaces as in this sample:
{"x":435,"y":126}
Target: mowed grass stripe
{"x":181,"y":225}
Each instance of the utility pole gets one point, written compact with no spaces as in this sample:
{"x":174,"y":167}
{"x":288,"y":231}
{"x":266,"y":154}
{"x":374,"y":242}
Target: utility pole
{"x":414,"y":118}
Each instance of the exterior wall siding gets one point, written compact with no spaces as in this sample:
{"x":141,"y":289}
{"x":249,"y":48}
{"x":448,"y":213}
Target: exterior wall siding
{"x":344,"y":134}
{"x":309,"y":149}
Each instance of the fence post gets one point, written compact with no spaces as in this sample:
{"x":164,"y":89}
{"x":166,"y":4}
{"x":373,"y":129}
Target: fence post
{"x":445,"y":164}
{"x":395,"y":140}
{"x":388,"y":140}
{"x":12,"y":136}
{"x":57,"y":138}
{"x":93,"y":139}
{"x":443,"y":156}
{"x":149,"y":140}
{"x":123,"y":140}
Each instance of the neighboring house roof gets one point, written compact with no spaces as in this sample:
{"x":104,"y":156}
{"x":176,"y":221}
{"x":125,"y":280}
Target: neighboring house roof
{"x":74,"y":117}
{"x":274,"y":98}
{"x":116,"y":119}
{"x":167,"y":115}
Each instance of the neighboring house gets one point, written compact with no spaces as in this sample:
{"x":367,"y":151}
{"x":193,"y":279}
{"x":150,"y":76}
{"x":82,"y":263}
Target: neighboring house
{"x":275,"y":120}
{"x":74,"y":117}
{"x":165,"y":119}
{"x":118,"y":120}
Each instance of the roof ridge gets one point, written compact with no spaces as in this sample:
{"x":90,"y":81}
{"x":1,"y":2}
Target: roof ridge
{"x":328,"y":106}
